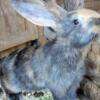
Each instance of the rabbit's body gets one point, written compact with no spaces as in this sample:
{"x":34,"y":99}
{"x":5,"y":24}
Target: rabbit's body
{"x":58,"y":65}
{"x":55,"y":66}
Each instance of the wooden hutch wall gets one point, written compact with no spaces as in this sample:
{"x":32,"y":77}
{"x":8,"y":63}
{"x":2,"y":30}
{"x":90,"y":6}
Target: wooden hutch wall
{"x":12,"y":23}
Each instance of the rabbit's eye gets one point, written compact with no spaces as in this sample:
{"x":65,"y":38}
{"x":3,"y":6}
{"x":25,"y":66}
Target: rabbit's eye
{"x":51,"y":29}
{"x":76,"y":21}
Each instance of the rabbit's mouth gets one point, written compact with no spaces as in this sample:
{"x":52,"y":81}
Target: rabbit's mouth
{"x":95,"y":36}
{"x":85,"y":40}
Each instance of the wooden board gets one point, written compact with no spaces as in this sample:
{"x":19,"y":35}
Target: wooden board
{"x":14,"y":30}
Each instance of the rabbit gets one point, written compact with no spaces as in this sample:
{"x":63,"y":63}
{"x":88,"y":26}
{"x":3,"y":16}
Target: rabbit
{"x":59,"y":64}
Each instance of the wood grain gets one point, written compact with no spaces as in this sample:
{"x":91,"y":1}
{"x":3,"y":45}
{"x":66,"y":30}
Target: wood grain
{"x":14,"y":29}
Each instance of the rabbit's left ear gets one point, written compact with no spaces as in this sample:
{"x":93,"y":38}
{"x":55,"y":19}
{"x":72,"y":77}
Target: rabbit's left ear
{"x":34,"y":12}
{"x":40,"y":12}
{"x":96,"y":25}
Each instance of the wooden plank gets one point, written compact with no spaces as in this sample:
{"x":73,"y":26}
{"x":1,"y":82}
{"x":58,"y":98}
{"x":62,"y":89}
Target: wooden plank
{"x":95,"y":5}
{"x":14,"y":30}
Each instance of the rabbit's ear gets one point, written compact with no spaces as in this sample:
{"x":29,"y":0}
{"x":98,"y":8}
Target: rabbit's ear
{"x":36,"y":12}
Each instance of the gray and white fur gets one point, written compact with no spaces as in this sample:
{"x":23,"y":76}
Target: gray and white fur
{"x":58,"y":65}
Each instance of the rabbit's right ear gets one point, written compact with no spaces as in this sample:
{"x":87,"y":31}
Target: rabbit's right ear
{"x":37,"y":12}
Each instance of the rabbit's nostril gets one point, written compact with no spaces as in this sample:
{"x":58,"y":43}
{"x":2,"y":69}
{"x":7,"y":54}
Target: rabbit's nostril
{"x":95,"y":35}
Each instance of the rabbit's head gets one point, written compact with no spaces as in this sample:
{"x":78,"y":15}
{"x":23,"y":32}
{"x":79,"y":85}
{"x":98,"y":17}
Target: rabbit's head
{"x":79,"y":27}
{"x":83,"y":26}
{"x":45,"y":13}
{"x":42,"y":13}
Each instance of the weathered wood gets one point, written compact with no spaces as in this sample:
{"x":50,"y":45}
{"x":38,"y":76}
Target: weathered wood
{"x":14,"y":29}
{"x":93,"y":4}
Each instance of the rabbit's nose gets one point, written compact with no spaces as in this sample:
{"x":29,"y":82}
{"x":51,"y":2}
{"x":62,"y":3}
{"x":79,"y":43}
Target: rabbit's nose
{"x":95,"y":35}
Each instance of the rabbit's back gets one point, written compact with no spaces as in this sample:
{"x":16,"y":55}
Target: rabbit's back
{"x":54,"y":66}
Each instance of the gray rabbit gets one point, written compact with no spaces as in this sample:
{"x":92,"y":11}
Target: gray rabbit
{"x":59,"y":64}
